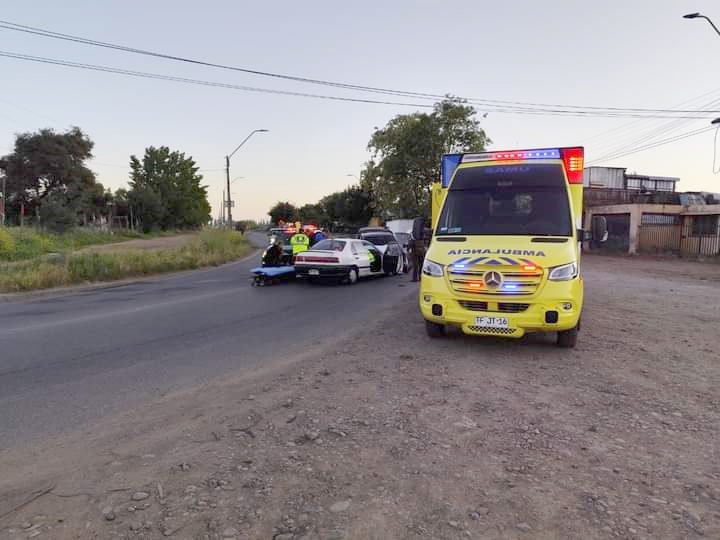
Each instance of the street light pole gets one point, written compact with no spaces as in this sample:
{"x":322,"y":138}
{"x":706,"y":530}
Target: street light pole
{"x":227,"y":171}
{"x":700,"y":16}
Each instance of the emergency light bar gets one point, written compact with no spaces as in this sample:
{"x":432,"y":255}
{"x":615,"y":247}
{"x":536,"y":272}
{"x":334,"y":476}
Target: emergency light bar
{"x":517,"y":155}
{"x":573,"y":160}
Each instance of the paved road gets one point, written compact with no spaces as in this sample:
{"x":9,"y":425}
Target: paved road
{"x":68,"y":361}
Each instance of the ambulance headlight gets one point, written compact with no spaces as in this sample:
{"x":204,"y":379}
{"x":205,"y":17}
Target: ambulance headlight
{"x":565,"y":272}
{"x":432,"y":268}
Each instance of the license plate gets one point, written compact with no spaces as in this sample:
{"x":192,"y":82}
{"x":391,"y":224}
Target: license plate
{"x":313,"y":272}
{"x":492,"y":322}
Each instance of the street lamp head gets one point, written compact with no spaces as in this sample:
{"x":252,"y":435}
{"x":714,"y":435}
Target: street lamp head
{"x":691,"y":16}
{"x":715,"y":122}
{"x":262,"y":130}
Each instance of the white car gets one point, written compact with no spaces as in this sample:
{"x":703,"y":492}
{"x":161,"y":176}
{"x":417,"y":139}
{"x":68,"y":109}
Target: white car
{"x":344,"y":259}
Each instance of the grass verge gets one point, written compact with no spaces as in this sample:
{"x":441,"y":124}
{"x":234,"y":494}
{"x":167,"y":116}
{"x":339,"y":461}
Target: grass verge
{"x":24,"y":243}
{"x":210,"y":248}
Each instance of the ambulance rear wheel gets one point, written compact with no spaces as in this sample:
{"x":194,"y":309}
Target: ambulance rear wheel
{"x":434,"y":330}
{"x":567,"y":339}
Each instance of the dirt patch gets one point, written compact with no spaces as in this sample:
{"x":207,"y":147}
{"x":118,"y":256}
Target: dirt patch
{"x":390,"y":434}
{"x":160,"y":242}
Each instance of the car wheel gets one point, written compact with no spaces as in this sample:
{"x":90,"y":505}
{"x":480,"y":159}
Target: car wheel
{"x":434,"y":330}
{"x":567,"y":339}
{"x":352,"y":277}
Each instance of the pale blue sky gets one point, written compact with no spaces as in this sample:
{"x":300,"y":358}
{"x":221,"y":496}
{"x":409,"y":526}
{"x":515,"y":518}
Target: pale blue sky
{"x":631,"y":53}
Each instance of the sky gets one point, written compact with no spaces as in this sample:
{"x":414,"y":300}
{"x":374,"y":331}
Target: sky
{"x":615,"y":53}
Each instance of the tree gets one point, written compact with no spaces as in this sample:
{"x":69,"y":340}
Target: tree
{"x":312,"y":213}
{"x":283,"y":211}
{"x":347,"y":209}
{"x":47,"y":173}
{"x":407,"y":153}
{"x":166,"y":192}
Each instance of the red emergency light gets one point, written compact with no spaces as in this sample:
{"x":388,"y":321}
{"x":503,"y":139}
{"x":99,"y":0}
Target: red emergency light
{"x":574,"y":162}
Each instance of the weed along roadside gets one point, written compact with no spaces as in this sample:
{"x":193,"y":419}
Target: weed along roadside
{"x":24,"y":244}
{"x":208,"y":248}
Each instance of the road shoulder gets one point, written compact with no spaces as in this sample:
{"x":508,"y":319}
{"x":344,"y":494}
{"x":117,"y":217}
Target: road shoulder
{"x":389,"y":434}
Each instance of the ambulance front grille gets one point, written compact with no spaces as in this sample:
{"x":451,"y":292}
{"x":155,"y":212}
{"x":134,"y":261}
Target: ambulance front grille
{"x":513,"y":282}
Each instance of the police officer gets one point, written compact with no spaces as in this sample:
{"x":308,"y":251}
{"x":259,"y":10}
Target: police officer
{"x":299,"y":241}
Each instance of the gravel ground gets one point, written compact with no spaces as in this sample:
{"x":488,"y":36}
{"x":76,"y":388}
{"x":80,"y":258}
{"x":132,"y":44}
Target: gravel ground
{"x":386,"y":433}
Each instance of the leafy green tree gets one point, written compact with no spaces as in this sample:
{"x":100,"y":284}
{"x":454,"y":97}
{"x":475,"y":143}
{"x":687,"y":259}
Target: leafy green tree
{"x":407,"y":153}
{"x":148,"y":208}
{"x":347,"y":209}
{"x":121,"y":201}
{"x":47,"y":169}
{"x":283,"y":211}
{"x":312,"y":213}
{"x":166,"y":191}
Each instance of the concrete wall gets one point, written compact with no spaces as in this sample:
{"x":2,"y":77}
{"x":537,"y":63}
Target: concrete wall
{"x":690,"y":245}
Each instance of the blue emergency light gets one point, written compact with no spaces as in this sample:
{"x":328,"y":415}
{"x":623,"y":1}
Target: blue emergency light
{"x":447,"y":167}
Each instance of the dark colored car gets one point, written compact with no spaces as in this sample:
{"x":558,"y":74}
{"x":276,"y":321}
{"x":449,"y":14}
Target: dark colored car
{"x":394,"y":255}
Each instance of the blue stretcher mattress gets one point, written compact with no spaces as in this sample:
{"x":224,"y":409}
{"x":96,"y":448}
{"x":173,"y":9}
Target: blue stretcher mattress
{"x":273,"y":271}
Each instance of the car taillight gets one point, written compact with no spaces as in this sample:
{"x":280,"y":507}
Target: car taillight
{"x":574,"y":162}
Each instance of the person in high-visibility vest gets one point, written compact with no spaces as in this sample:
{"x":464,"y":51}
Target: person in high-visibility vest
{"x":300,"y":242}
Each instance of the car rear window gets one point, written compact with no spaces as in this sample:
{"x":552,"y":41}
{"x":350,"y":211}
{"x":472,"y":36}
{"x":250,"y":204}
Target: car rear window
{"x":329,"y":245}
{"x":379,"y":239}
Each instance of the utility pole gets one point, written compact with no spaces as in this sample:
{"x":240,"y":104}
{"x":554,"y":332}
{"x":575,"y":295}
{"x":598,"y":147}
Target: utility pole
{"x":227,"y":170}
{"x":227,"y":175}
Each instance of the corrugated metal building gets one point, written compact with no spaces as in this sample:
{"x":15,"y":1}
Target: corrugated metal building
{"x":617,"y":178}
{"x":641,"y":182}
{"x":604,"y":177}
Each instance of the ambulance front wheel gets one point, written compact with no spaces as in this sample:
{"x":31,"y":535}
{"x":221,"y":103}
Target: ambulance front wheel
{"x":567,"y":339}
{"x":434,"y":330}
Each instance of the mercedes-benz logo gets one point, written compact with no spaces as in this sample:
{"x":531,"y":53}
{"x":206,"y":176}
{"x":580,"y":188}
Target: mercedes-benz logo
{"x":493,"y":278}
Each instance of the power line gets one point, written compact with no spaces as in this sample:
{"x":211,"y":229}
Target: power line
{"x":624,"y":127}
{"x":653,"y":133}
{"x":146,"y":75}
{"x":509,"y":106}
{"x":120,"y":71}
{"x":652,"y":145}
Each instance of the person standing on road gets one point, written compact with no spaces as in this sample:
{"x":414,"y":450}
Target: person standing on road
{"x":318,"y":236}
{"x":299,"y":241}
{"x":418,"y":246}
{"x":417,"y":256}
